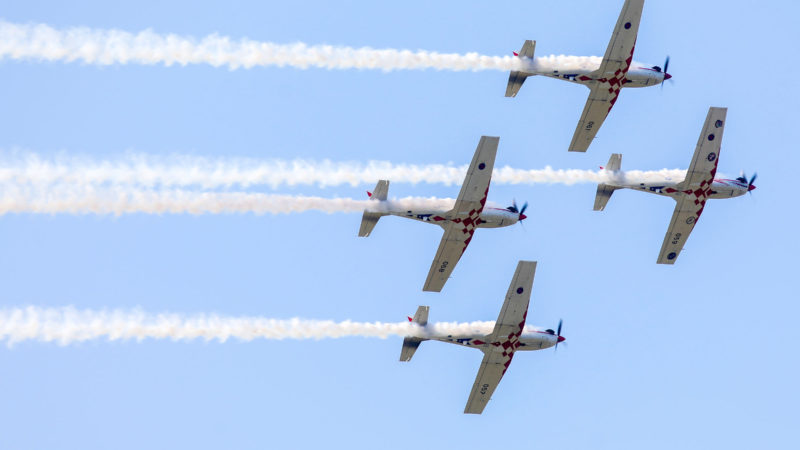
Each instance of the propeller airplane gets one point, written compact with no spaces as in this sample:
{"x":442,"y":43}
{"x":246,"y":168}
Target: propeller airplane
{"x":690,"y":193}
{"x":605,"y":78}
{"x":509,"y":336}
{"x":460,"y":222}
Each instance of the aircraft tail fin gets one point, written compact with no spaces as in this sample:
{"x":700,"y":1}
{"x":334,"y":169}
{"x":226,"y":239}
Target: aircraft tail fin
{"x":410,"y":344}
{"x":370,"y":219}
{"x":604,"y":191}
{"x":515,"y":78}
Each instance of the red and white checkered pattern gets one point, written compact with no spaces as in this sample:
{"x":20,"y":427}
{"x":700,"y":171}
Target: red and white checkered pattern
{"x":472,"y":220}
{"x":511,"y":344}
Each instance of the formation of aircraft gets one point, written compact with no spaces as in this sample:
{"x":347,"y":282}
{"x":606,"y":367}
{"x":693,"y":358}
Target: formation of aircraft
{"x":691,"y":193}
{"x":499,"y":347}
{"x":605,"y":78}
{"x":459,"y":223}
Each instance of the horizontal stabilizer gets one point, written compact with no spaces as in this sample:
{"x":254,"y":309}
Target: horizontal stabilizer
{"x":516,"y":78}
{"x":604,"y":191}
{"x":410,"y":344}
{"x":370,"y":219}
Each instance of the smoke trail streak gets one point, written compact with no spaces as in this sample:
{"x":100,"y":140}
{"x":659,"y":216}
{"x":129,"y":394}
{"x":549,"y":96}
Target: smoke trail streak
{"x":210,"y":173}
{"x":69,"y":326}
{"x":105,"y":47}
{"x":117,"y":201}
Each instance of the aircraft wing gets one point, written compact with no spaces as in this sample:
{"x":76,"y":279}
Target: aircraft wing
{"x":610,"y":76}
{"x":504,"y":338}
{"x":706,"y":155}
{"x":682,"y":223}
{"x":465,"y":215}
{"x":454,"y":242}
{"x":696,"y":186}
{"x":619,"y":52}
{"x":489,"y":375}
{"x":594,"y":114}
{"x":476,"y":184}
{"x":515,"y":307}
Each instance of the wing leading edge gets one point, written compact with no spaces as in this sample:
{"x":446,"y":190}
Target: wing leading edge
{"x":504,"y":338}
{"x":465,"y":215}
{"x":696,"y":187}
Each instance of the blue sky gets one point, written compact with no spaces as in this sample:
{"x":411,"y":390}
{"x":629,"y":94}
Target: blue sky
{"x":696,"y":355}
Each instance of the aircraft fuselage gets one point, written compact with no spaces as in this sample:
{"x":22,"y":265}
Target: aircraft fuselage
{"x":720,"y":188}
{"x":581,"y":71}
{"x":531,"y":339}
{"x":489,"y":218}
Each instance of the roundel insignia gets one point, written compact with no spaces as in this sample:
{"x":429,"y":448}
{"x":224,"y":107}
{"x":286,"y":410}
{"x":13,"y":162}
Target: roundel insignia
{"x":672,"y":256}
{"x":627,"y":25}
{"x":712,"y":156}
{"x":718,"y":124}
{"x":520,"y":290}
{"x":481,"y":166}
{"x":711,"y":137}
{"x":690,"y":220}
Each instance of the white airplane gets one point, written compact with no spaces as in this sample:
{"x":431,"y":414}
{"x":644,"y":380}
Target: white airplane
{"x":508,"y":337}
{"x":605,"y":78}
{"x":690,"y":193}
{"x":460,"y":222}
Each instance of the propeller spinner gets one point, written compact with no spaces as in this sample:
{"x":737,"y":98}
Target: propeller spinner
{"x":743,"y":179}
{"x":513,"y":208}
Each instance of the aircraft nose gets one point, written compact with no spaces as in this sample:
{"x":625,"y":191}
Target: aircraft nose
{"x":522,"y":217}
{"x":561,"y":339}
{"x":752,"y":186}
{"x":667,"y":76}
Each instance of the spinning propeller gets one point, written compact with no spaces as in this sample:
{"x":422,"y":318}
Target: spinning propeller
{"x":558,"y":333}
{"x":667,"y":76}
{"x":742,"y":178}
{"x":513,"y":208}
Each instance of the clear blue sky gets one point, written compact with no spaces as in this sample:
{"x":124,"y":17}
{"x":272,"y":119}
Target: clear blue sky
{"x":699,"y":355}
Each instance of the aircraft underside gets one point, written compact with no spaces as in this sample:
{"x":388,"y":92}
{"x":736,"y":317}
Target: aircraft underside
{"x":724,"y":189}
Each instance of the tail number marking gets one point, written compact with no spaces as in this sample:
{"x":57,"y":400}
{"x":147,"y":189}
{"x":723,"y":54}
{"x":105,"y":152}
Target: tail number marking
{"x":676,"y":238}
{"x":484,"y":388}
{"x":443,"y":266}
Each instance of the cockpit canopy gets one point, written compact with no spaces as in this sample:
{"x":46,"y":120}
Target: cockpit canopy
{"x":549,"y":331}
{"x":742,"y":179}
{"x":657,"y":68}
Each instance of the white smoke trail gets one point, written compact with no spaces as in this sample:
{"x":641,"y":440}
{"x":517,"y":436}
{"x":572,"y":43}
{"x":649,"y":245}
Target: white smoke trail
{"x":69,"y":326}
{"x":210,"y":173}
{"x":117,"y":201}
{"x":40,"y":42}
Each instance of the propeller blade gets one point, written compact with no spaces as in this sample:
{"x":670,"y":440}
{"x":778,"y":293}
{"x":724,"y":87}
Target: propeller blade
{"x":558,"y":333}
{"x":750,"y":183}
{"x":666,"y":74}
{"x":524,"y":207}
